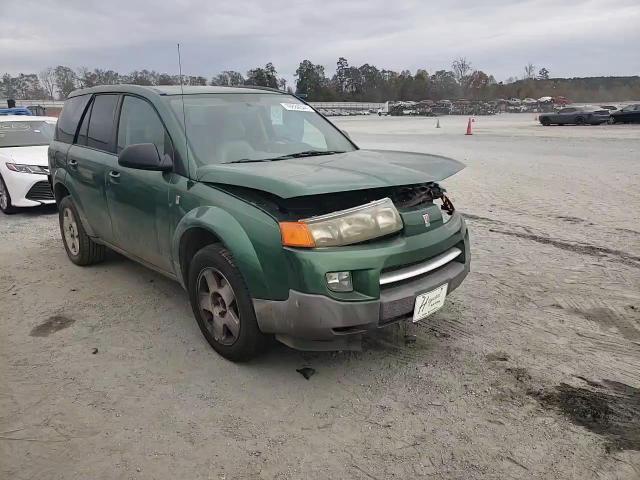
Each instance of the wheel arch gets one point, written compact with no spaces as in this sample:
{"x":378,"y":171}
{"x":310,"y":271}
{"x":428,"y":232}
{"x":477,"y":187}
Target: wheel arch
{"x":207,"y":225}
{"x":61,"y":190}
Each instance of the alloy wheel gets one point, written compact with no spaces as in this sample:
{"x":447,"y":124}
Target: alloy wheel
{"x":70,"y":229}
{"x":218,"y":306}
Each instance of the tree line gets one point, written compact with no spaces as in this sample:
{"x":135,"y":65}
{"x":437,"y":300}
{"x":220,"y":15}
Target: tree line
{"x":364,"y":83}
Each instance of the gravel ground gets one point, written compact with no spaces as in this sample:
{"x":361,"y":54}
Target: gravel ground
{"x":532,"y":369}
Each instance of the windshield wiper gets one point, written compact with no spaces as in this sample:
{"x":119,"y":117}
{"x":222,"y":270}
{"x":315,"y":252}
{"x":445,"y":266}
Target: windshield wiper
{"x":310,"y":153}
{"x":307,"y":153}
{"x":250,"y":160}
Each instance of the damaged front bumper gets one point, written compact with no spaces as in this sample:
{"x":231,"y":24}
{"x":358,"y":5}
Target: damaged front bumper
{"x":309,"y":321}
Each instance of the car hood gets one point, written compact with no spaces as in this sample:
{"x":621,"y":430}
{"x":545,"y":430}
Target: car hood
{"x":357,"y":170}
{"x":36,"y":155}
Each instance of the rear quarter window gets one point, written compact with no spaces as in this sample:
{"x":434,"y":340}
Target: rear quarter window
{"x":69,"y":118}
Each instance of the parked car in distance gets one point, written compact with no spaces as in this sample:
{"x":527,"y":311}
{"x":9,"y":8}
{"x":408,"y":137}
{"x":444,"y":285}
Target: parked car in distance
{"x":270,"y":217}
{"x":575,"y":116}
{"x":24,"y":141}
{"x":628,"y":114}
{"x":19,"y":111}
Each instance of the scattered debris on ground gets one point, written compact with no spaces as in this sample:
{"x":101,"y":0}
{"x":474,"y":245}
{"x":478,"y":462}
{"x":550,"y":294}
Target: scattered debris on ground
{"x":306,"y":372}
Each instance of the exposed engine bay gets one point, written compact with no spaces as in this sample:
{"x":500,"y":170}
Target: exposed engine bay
{"x":404,"y":197}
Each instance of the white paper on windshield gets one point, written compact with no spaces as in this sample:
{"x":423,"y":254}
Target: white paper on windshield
{"x":297,"y":107}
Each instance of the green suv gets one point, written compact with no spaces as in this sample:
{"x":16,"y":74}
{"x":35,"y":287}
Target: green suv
{"x":270,"y":217}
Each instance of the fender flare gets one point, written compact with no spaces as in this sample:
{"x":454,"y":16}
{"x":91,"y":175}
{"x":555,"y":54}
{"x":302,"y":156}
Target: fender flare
{"x":59,"y":179}
{"x":232,"y":235}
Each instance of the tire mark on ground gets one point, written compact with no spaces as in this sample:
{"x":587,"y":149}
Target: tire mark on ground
{"x":581,"y":248}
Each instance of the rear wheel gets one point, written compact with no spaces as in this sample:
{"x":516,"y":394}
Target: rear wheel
{"x":222,"y":305}
{"x":81,"y":249}
{"x":5,"y":199}
{"x":580,"y":121}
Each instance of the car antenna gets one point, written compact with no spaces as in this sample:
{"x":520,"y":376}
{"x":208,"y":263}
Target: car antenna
{"x":184,"y":115}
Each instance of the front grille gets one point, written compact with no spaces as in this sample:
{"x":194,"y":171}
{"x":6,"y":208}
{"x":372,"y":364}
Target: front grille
{"x":40,"y":191}
{"x":408,"y":272}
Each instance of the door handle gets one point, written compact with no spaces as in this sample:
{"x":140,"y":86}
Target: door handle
{"x":114,"y":174}
{"x":73,"y":162}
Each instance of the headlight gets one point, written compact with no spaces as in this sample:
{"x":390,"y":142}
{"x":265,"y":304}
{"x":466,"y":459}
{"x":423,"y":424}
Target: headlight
{"x":16,"y":167}
{"x":345,"y":227}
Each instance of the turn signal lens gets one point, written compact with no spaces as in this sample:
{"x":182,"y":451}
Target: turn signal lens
{"x":296,"y":234}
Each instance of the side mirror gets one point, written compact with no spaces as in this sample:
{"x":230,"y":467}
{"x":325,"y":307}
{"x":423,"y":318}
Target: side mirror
{"x":144,"y":156}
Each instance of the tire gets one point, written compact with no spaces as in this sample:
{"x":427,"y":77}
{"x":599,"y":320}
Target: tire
{"x":5,"y":199}
{"x":545,"y":122}
{"x":81,"y":249}
{"x":222,"y":305}
{"x":612,"y":121}
{"x":580,"y":121}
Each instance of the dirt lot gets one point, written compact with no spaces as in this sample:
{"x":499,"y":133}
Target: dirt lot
{"x":532,"y":369}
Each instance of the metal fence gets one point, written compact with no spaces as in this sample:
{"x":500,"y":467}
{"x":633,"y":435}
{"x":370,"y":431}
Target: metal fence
{"x":353,"y":106}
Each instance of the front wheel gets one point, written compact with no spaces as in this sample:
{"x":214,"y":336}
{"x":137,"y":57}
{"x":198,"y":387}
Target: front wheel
{"x":5,"y":199}
{"x":222,"y":305}
{"x":545,"y":122}
{"x":580,"y":121}
{"x":81,"y":249}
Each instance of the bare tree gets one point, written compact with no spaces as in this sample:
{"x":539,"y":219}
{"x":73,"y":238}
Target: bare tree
{"x":48,"y":81}
{"x":461,"y":68}
{"x":529,"y":71}
{"x":66,"y":80}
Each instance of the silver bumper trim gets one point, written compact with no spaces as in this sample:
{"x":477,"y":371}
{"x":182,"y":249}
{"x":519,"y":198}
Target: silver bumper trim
{"x":419,"y":269}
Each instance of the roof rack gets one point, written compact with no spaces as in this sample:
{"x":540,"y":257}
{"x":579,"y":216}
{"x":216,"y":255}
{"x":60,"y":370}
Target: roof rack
{"x":258,"y":87}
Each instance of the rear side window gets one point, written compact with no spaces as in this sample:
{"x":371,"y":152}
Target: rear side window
{"x":69,"y":118}
{"x":100,"y":133}
{"x":139,"y":123}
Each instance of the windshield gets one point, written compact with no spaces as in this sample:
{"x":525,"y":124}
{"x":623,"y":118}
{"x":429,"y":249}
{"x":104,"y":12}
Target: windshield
{"x":225,"y":128}
{"x":25,"y":134}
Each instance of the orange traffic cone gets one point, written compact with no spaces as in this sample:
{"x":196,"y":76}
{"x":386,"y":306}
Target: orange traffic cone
{"x":469,"y":127}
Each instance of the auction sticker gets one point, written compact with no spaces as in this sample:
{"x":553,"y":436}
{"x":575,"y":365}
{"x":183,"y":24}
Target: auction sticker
{"x":297,"y":107}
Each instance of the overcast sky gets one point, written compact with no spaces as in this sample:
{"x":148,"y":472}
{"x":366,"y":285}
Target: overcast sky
{"x":568,"y":37}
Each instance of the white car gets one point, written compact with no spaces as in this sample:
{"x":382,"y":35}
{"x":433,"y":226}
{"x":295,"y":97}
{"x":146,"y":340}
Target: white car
{"x":24,"y":141}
